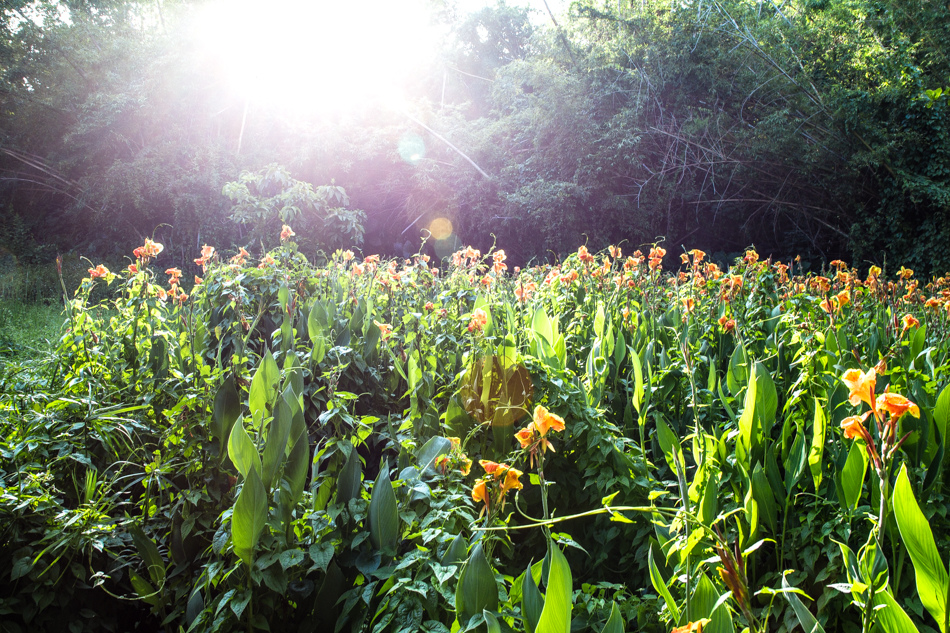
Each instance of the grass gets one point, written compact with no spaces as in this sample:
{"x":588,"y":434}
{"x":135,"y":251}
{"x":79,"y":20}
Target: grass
{"x":29,"y":328}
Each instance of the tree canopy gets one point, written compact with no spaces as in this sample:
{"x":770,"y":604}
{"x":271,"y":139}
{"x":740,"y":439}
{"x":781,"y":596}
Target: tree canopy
{"x":812,"y":127}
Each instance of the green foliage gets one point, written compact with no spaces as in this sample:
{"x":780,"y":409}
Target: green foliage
{"x":290,"y":441}
{"x":268,"y":198}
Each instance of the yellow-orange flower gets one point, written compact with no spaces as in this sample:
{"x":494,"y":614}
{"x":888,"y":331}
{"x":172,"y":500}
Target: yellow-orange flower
{"x":545,"y":420}
{"x":479,"y":320}
{"x":512,"y":481}
{"x":98,"y":271}
{"x":853,"y":427}
{"x":286,"y":233}
{"x":692,"y":627}
{"x":897,"y":405}
{"x":480,"y":491}
{"x":490,"y":467}
{"x":861,"y":385}
{"x":385,"y":329}
{"x":909,"y":321}
{"x":525,"y":436}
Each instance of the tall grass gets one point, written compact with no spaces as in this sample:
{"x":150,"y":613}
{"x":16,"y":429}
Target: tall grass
{"x":29,"y":327}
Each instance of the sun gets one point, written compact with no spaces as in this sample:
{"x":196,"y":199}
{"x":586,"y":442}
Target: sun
{"x":317,"y":56}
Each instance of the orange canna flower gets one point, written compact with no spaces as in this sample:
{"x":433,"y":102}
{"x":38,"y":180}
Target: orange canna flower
{"x":480,"y":492}
{"x":545,"y":420}
{"x":909,"y":321}
{"x":286,"y":233}
{"x":490,"y":467}
{"x":385,"y":329}
{"x":897,"y":405}
{"x":853,"y":427}
{"x":466,"y":466}
{"x":98,"y":271}
{"x":692,"y":627}
{"x":861,"y":385}
{"x":512,"y":481}
{"x":525,"y":436}
{"x":479,"y":320}
{"x":267,"y":260}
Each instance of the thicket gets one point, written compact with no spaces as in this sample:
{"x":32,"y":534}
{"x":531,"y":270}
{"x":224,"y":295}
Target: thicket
{"x":812,"y":128}
{"x":396,"y":445}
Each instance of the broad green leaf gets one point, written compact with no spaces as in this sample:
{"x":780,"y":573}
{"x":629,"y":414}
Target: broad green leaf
{"x":762,"y":493}
{"x":615,"y":621}
{"x":852,"y":475}
{"x":491,"y":622}
{"x":638,"y":381}
{"x":670,"y":444}
{"x":149,"y":553}
{"x":278,"y":432}
{"x":297,"y":462}
{"x":599,"y":319}
{"x":263,"y":385}
{"x":227,"y":409}
{"x":660,"y":585}
{"x":807,"y":621}
{"x":477,"y":589}
{"x":427,"y":455}
{"x":532,"y":602}
{"x":144,"y":589}
{"x":242,"y":451}
{"x":817,"y":450}
{"x":249,"y":517}
{"x":738,"y":372}
{"x":383,"y":514}
{"x":891,"y":618}
{"x":705,"y":603}
{"x":747,"y":425}
{"x":556,"y":614}
{"x":795,"y":463}
{"x":766,"y":402}
{"x":348,"y":486}
{"x":455,"y":553}
{"x":541,"y":324}
{"x":932,"y":580}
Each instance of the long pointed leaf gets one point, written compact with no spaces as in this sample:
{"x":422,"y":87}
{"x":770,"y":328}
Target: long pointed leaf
{"x":556,"y":614}
{"x":932,"y":580}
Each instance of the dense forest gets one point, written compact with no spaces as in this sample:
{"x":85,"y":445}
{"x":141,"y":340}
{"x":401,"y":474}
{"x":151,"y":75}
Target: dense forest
{"x":810,"y":127}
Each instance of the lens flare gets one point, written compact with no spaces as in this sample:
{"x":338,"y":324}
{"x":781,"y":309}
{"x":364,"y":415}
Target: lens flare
{"x":412,"y":148}
{"x":441,"y":228}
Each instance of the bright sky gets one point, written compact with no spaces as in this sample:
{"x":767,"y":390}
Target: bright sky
{"x":325,"y":55}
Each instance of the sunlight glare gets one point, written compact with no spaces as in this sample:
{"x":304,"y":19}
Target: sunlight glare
{"x":318,"y":56}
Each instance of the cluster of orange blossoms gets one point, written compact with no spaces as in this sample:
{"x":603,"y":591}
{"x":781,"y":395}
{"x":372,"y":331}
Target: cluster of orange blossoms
{"x":479,"y":320}
{"x":207,"y":252}
{"x":149,"y":250}
{"x":491,"y":490}
{"x":861,"y":385}
{"x":533,"y":437}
